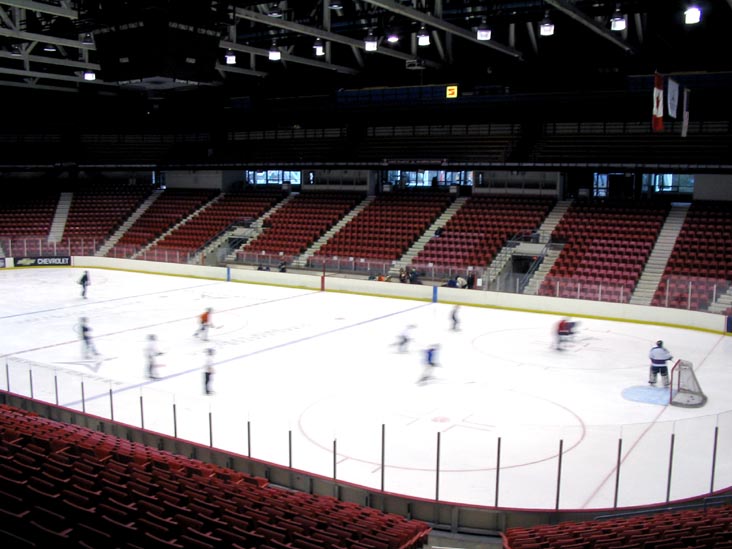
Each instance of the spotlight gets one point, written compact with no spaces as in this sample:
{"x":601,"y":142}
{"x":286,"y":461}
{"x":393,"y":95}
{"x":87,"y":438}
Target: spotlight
{"x":617,"y":21}
{"x":546,"y":27}
{"x":423,"y":37}
{"x":483,"y":33}
{"x":274,"y":11}
{"x":692,"y":15}
{"x":370,"y":43}
{"x":274,"y":53}
{"x":318,"y":47}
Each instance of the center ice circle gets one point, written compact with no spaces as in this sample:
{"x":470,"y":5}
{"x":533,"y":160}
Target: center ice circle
{"x":470,"y":416}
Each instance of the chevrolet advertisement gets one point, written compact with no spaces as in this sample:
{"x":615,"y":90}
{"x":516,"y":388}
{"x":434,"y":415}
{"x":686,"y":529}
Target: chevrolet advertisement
{"x":42,"y":261}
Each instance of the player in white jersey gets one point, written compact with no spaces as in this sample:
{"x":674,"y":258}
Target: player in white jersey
{"x":151,"y":354}
{"x":659,"y":356}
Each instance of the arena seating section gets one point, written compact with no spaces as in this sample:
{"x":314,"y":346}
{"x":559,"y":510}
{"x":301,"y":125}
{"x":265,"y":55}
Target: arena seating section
{"x":388,"y":226}
{"x":171,"y":207}
{"x":67,"y":486}
{"x":217,"y":217}
{"x":25,"y":221}
{"x":95,"y":214}
{"x":606,"y":247}
{"x":701,"y":256}
{"x":478,"y":231}
{"x":709,"y":528}
{"x":298,"y":223}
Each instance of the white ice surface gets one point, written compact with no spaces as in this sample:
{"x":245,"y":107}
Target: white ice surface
{"x":324,"y":367}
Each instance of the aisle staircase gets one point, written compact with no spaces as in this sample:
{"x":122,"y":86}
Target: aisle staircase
{"x":545,"y":232}
{"x":723,"y":303}
{"x":119,"y":233}
{"x":552,"y":220}
{"x":422,"y":241}
{"x":186,"y":219}
{"x":257,"y":227}
{"x":302,"y":260}
{"x":58,"y":225}
{"x":656,"y":264}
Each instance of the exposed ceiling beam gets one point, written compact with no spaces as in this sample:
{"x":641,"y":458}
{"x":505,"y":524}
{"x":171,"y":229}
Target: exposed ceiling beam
{"x":569,"y":9}
{"x":52,"y":61}
{"x":325,"y":35}
{"x":238,"y":70}
{"x":437,"y":23}
{"x":5,"y":18}
{"x":45,"y":75}
{"x":42,"y":8}
{"x":46,"y":39}
{"x":288,"y":57}
{"x":9,"y":84}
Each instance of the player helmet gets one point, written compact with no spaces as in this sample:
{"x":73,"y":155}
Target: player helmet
{"x":659,"y":343}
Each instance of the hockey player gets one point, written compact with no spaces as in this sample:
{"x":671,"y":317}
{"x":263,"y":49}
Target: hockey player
{"x":404,"y":338}
{"x":88,"y":347}
{"x":565,"y":330}
{"x":203,"y":325}
{"x":84,"y":281}
{"x":430,"y":362}
{"x":659,"y":356}
{"x":151,"y":354}
{"x":454,"y":318}
{"x":208,"y":371}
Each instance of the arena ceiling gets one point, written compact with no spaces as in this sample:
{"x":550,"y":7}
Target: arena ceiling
{"x":162,"y":49}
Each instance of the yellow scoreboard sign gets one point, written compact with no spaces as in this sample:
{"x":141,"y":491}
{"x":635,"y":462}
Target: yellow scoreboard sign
{"x":451,"y":92}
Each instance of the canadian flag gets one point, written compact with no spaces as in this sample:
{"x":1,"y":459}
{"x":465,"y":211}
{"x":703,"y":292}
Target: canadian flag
{"x":657,"y":102}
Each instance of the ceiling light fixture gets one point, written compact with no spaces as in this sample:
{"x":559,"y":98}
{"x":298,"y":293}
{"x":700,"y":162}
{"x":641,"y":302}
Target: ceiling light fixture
{"x":87,"y":39}
{"x":274,"y":11}
{"x":274,"y":53}
{"x":392,"y":37}
{"x":15,"y":50}
{"x":319,"y":47}
{"x":423,"y":37}
{"x":483,"y":33}
{"x":335,"y":5}
{"x":230,"y":57}
{"x":617,"y":21}
{"x":370,"y":43}
{"x":546,"y":27}
{"x":692,"y":15}
{"x":50,"y":48}
{"x":89,"y":76}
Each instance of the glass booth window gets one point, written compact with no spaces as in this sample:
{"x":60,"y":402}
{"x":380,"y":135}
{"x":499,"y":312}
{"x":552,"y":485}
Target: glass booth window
{"x":428,"y":178}
{"x":669,"y":182}
{"x":273,"y":177}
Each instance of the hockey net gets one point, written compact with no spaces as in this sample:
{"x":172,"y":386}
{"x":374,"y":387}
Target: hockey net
{"x":685,"y":388}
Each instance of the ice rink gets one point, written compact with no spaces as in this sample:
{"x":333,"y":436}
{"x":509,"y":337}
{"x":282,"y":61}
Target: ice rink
{"x":301,"y":370}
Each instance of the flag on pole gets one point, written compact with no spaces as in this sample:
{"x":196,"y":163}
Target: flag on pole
{"x":657,"y":122}
{"x":685,"y":119}
{"x":672,"y":97}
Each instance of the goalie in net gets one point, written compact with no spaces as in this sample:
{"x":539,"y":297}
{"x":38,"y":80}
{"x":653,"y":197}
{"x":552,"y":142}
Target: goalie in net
{"x":685,"y":388}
